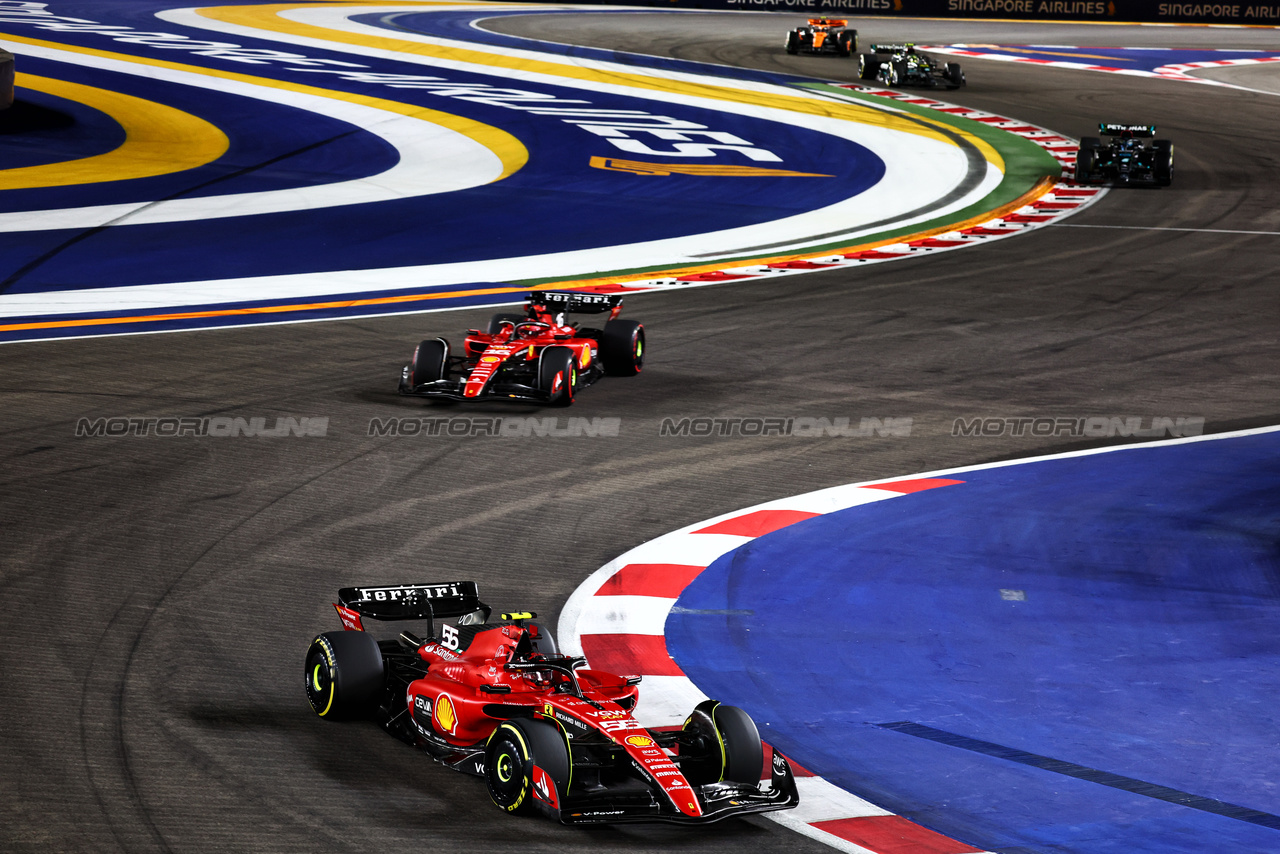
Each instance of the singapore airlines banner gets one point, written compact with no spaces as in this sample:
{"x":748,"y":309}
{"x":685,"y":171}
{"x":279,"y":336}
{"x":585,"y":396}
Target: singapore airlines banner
{"x":1147,"y":11}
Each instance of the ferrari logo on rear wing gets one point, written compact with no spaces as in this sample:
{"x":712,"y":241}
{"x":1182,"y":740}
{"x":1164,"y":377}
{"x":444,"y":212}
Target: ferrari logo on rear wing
{"x":414,"y":601}
{"x":575,"y":302}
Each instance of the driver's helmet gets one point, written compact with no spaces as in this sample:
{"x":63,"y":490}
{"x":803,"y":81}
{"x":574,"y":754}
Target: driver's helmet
{"x":528,"y":330}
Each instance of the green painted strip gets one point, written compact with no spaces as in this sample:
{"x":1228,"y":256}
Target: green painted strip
{"x":1025,"y":162}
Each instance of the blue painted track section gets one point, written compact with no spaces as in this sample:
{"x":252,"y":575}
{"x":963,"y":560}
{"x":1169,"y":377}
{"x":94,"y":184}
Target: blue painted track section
{"x":275,"y":147}
{"x":1113,"y":613}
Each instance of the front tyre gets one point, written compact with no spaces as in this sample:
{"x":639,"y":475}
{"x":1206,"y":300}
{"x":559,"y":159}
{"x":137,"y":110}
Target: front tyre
{"x":558,"y":374}
{"x":732,"y":747}
{"x":430,"y":362}
{"x":868,"y":66}
{"x":793,"y":42}
{"x":344,"y":674}
{"x":1085,"y":159}
{"x":526,"y":762}
{"x":545,"y":642}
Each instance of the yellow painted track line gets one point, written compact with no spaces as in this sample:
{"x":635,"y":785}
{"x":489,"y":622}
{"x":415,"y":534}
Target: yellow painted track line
{"x":1043,"y":187}
{"x":509,"y":150}
{"x":268,"y":18}
{"x":159,"y":140}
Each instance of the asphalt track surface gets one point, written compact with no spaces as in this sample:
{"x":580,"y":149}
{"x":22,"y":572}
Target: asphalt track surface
{"x":161,"y":592}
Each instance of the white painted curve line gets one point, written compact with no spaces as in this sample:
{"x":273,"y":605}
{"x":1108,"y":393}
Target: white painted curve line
{"x":432,"y":160}
{"x":617,"y":617}
{"x":919,"y":170}
{"x":1165,"y":72}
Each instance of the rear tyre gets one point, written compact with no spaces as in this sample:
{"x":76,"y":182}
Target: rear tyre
{"x":843,"y":41}
{"x":495,"y":322}
{"x":558,"y":374}
{"x":868,"y":66}
{"x":430,"y":362}
{"x":1163,"y":166}
{"x":622,"y":348}
{"x":954,"y":75}
{"x":514,"y":752}
{"x":345,"y":674}
{"x":793,"y":42}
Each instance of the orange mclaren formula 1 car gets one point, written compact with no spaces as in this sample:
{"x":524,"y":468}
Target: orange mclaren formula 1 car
{"x":547,"y":734}
{"x":535,"y":357}
{"x":823,"y":35}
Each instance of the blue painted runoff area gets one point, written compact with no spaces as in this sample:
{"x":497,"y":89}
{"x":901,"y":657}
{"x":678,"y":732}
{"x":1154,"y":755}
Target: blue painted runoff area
{"x":561,"y":200}
{"x":1073,"y":654}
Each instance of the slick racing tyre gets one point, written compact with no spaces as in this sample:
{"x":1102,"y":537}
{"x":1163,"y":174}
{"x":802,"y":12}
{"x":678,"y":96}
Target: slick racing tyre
{"x":733,"y":748}
{"x":1084,"y":164}
{"x":526,"y":762}
{"x":622,"y":348}
{"x":793,"y":42}
{"x":495,"y":322}
{"x":868,"y":66}
{"x":954,"y":75}
{"x":558,"y":374}
{"x":1087,"y":157}
{"x":1162,"y":154}
{"x":344,"y":673}
{"x":545,"y":642}
{"x":846,"y":43}
{"x":897,"y":72}
{"x":430,"y":362}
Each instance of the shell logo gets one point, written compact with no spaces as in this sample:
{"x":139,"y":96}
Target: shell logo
{"x":490,"y":359}
{"x":640,"y":741}
{"x":446,"y":717}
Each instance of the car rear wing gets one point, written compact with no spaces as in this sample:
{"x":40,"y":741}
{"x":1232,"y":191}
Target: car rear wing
{"x":907,"y":47}
{"x":1116,"y":129}
{"x":828,"y":22}
{"x":411,"y":602}
{"x":575,"y":302}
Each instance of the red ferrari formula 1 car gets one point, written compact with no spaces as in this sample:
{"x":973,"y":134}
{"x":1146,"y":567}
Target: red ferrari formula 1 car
{"x":547,"y":733}
{"x":536,"y":357}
